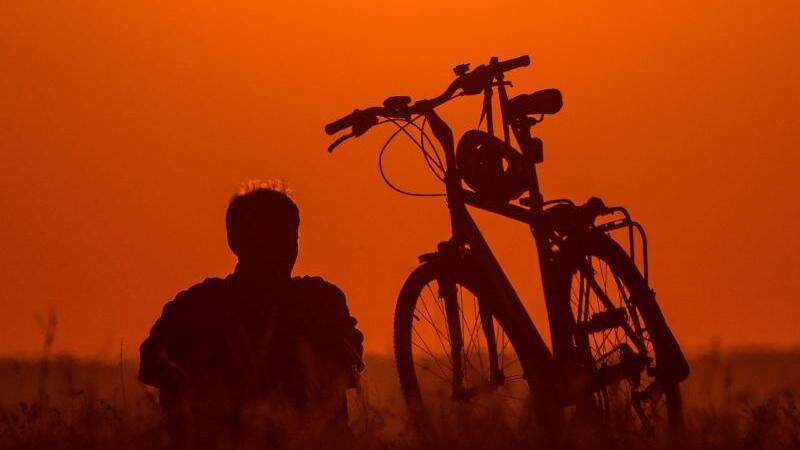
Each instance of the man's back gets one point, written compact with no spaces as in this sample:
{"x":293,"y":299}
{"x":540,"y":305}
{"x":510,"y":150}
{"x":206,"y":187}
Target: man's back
{"x":228,"y":345}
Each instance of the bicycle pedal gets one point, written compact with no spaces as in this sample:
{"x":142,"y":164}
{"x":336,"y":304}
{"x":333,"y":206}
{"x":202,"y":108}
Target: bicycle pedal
{"x":605,"y":320}
{"x":626,"y":369}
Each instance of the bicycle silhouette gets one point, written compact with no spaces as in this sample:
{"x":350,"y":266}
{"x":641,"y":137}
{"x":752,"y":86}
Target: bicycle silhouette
{"x":463,"y":340}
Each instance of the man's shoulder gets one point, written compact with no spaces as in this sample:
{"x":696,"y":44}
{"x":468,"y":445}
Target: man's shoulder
{"x":315,"y":283}
{"x":198,"y":295}
{"x":189,"y":309}
{"x":315,"y":289}
{"x":209,"y":286}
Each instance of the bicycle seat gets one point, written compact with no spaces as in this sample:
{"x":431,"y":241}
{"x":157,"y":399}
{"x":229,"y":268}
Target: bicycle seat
{"x":546,"y":101}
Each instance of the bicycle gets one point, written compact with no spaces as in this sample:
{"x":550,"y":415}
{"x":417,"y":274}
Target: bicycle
{"x":614,"y":359}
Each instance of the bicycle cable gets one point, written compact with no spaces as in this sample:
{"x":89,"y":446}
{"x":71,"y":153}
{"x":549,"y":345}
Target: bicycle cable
{"x":430,"y":161}
{"x":421,"y":145}
{"x":422,"y":134}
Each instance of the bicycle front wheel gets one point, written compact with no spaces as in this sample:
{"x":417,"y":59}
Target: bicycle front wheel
{"x":454,"y":356}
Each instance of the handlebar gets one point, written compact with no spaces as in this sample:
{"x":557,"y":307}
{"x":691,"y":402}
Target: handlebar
{"x":514,"y":63}
{"x":357,"y":119}
{"x":470,"y":82}
{"x":340,"y":124}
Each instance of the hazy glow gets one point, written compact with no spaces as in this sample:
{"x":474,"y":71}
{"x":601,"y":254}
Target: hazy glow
{"x":126,"y":126}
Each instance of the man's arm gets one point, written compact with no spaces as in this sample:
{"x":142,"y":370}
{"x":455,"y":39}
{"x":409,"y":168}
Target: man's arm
{"x":346,"y":326}
{"x":332,"y":326}
{"x":160,"y":364}
{"x":155,"y":367}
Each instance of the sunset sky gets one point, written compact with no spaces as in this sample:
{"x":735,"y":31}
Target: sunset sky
{"x":125,"y":127}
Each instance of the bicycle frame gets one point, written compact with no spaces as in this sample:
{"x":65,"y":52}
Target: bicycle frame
{"x":545,"y":367}
{"x":543,"y":370}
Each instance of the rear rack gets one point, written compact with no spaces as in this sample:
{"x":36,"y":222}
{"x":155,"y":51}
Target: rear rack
{"x":627,"y":222}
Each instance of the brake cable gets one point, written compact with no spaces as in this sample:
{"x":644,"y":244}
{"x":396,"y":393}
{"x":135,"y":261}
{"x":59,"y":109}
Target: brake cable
{"x":428,"y":158}
{"x":421,"y":145}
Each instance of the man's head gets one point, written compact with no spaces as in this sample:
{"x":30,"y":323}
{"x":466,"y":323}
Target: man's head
{"x":262,"y":228}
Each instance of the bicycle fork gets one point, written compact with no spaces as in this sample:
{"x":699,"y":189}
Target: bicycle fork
{"x":449,"y":294}
{"x":453,"y":308}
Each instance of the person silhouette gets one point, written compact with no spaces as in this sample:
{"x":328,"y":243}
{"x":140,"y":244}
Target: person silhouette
{"x":259,"y":352}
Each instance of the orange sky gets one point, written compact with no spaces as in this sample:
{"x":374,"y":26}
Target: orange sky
{"x":126,"y":126}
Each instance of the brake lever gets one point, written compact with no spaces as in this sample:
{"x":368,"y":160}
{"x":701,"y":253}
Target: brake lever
{"x":338,"y":141}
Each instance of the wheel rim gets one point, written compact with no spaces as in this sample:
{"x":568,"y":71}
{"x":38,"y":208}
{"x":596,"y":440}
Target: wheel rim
{"x":616,"y":346}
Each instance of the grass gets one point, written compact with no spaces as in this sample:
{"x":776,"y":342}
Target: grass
{"x":744,"y":399}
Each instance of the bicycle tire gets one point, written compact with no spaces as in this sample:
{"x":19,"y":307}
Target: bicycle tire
{"x":604,"y":248}
{"x":407,"y":301}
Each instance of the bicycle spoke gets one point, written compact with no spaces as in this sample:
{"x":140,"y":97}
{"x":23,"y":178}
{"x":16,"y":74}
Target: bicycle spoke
{"x":467,"y":358}
{"x":436,"y":300}
{"x":432,"y":356}
{"x":510,"y":363}
{"x":428,"y":369}
{"x":601,"y":295}
{"x":602,"y":345}
{"x":477,"y":327}
{"x":429,"y":318}
{"x":439,"y":333}
{"x":473,"y":334}
{"x":503,"y":343}
{"x":427,"y":349}
{"x":464,"y":328}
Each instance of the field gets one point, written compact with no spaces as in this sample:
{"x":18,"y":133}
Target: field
{"x":735,"y":399}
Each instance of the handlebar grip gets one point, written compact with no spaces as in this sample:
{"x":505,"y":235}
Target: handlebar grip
{"x":515,"y":63}
{"x":339,"y":125}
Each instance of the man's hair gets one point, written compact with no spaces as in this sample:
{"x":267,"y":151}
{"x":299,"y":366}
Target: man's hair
{"x":267,"y":206}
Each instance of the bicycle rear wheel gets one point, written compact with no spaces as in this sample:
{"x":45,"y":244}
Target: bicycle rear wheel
{"x":455,"y":359}
{"x":619,"y":334}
